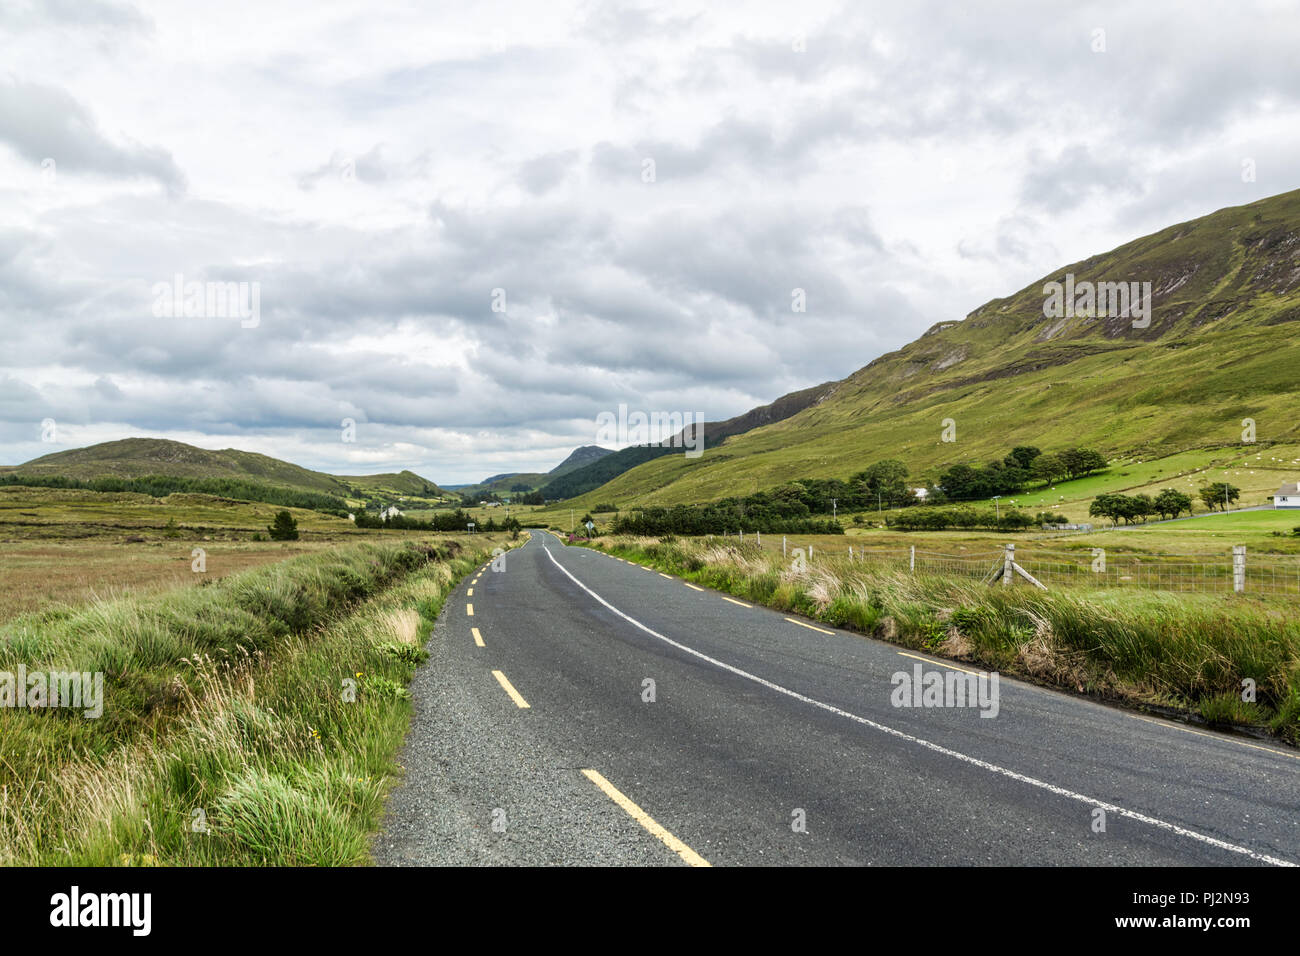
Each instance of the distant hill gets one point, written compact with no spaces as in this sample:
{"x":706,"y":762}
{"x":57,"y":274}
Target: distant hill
{"x":608,"y":467}
{"x":578,"y":458}
{"x":1222,"y":345}
{"x":141,"y":457}
{"x":511,"y":482}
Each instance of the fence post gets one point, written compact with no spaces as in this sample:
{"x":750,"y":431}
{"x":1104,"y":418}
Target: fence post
{"x":911,"y":562}
{"x":782,"y":547}
{"x":850,"y":552}
{"x":810,"y":552}
{"x":1008,"y":565}
{"x":1239,"y":567}
{"x":759,"y":536}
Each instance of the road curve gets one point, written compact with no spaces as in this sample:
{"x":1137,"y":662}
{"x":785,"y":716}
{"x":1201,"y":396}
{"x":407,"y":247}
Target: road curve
{"x":769,"y":741}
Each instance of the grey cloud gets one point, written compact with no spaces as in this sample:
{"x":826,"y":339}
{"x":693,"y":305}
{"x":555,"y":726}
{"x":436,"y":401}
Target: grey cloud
{"x":541,"y":174}
{"x":43,"y":122}
{"x":33,"y":14}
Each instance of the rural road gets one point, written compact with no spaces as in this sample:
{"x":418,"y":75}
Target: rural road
{"x":759,"y":722}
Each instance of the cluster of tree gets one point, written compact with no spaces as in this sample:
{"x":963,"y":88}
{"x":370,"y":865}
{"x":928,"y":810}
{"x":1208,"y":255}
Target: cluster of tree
{"x":721,"y":518}
{"x":883,"y":484}
{"x":532,"y":498}
{"x":1168,"y":503}
{"x":965,"y":517}
{"x":1023,"y":465}
{"x":440,"y":521}
{"x":159,"y":486}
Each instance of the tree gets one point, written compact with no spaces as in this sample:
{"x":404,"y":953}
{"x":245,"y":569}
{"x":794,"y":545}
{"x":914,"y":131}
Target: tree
{"x":1047,"y":468}
{"x":1022,"y":456}
{"x":885,"y":482}
{"x":1219,"y":495}
{"x":1170,"y":503}
{"x":1111,"y":506}
{"x":284,"y":528}
{"x":1142,"y":507}
{"x":1081,"y":462}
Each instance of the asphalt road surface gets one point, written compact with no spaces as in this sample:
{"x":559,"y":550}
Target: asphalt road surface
{"x":769,"y":740}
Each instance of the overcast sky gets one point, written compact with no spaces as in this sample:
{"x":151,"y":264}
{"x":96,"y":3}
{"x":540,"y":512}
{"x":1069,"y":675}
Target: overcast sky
{"x":379,"y":169}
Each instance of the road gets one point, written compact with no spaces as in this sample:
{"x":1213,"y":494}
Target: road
{"x":771,"y":740}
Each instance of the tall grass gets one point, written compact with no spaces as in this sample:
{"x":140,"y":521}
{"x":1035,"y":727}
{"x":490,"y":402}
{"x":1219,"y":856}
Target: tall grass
{"x":229,"y":735}
{"x":1186,"y":651}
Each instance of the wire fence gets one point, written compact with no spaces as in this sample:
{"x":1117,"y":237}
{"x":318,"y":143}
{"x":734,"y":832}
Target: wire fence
{"x":1232,"y":571}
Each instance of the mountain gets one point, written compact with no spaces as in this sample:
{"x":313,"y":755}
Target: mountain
{"x":584,"y":455}
{"x":138,"y":457}
{"x":511,"y":482}
{"x":610,"y":466}
{"x":1220,"y":346}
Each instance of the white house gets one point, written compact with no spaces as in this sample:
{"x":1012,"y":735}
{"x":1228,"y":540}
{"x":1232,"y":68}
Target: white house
{"x":1288,"y":496}
{"x":390,"y":512}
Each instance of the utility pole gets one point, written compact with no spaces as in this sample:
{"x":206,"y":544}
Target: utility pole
{"x":834,"y":505}
{"x":996,"y":507}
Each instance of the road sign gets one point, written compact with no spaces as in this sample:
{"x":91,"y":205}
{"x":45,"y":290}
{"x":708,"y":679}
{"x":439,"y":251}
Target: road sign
{"x":590,"y":526}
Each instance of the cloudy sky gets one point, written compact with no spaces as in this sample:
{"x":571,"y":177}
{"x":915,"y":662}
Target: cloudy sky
{"x":475,"y":227}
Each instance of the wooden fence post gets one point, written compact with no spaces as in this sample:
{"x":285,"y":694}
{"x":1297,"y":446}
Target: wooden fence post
{"x":1239,"y":568}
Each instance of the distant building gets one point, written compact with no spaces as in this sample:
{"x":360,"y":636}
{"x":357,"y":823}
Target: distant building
{"x":921,"y":493}
{"x":390,"y":512}
{"x":1288,"y":496}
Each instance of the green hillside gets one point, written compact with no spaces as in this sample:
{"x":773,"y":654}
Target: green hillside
{"x":143,"y":457}
{"x":1221,"y":347}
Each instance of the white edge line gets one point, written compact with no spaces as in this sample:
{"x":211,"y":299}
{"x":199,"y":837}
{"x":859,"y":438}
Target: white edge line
{"x":937,"y":748}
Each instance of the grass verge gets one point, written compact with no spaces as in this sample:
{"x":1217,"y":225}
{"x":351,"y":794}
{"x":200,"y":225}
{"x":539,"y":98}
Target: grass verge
{"x":250,"y":722}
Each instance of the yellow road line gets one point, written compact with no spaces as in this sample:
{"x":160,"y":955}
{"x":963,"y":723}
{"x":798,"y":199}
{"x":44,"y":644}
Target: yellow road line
{"x":1223,"y":737}
{"x":820,"y":630}
{"x":741,"y":603}
{"x":469,"y":610}
{"x":478,"y":638}
{"x":469,"y":593}
{"x":647,"y":821}
{"x":509,"y":689}
{"x":668,"y":576}
{"x":951,"y":667}
{"x":692,"y":586}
